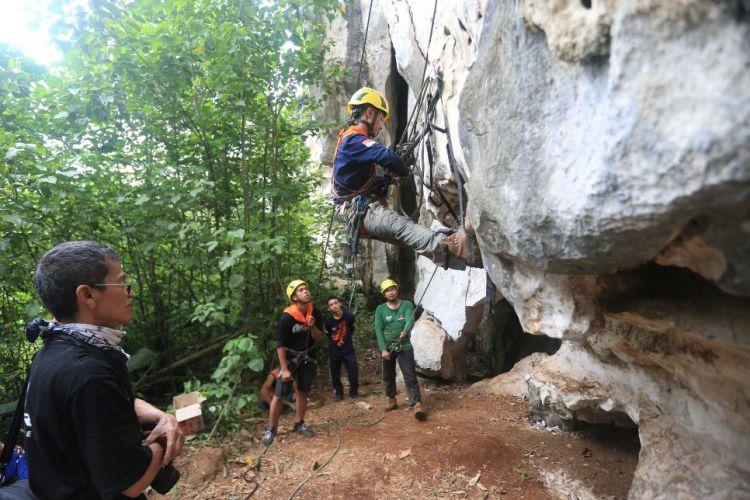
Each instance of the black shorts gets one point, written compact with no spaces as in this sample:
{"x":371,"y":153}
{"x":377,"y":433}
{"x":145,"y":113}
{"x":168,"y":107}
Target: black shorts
{"x":303,"y":374}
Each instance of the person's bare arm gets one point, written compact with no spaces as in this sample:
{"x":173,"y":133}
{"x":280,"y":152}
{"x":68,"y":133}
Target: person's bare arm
{"x":164,"y":427}
{"x":157,"y":457}
{"x":316,"y":333}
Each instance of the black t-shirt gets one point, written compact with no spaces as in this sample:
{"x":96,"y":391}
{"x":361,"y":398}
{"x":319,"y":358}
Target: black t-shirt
{"x":339,"y":333}
{"x":297,"y":341}
{"x":83,"y":440}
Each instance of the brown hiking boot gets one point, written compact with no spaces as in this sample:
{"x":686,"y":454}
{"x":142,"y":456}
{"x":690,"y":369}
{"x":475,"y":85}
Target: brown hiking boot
{"x":419,"y":412}
{"x":457,"y":244}
{"x":463,"y":247}
{"x":390,"y":404}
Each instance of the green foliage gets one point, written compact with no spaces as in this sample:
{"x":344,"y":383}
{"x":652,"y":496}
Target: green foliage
{"x":241,"y":360}
{"x":173,"y":131}
{"x":522,"y":474}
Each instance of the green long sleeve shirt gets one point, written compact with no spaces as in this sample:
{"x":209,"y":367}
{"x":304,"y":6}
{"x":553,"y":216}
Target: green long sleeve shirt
{"x":389,"y":324}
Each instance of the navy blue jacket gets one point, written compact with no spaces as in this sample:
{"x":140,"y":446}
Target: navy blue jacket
{"x":354,"y":159}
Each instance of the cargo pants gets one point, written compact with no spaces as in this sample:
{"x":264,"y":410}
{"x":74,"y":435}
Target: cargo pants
{"x":386,"y":225}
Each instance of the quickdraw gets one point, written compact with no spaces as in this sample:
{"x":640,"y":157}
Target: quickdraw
{"x":352,"y":213}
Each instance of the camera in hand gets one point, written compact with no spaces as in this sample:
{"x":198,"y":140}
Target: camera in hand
{"x":165,"y":479}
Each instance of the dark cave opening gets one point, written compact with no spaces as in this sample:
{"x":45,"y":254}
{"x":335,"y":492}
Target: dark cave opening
{"x":501,"y":342}
{"x":404,"y":267}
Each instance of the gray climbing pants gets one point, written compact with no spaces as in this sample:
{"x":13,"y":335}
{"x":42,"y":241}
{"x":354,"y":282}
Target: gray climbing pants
{"x":386,"y":225}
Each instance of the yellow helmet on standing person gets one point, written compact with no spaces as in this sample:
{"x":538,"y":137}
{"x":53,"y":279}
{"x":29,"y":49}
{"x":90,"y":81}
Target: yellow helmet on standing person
{"x":292,"y":287}
{"x":386,"y":284}
{"x":366,"y":95}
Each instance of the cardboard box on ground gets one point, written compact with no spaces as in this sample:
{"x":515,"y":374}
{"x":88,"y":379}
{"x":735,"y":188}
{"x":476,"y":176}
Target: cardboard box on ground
{"x":188,"y":412}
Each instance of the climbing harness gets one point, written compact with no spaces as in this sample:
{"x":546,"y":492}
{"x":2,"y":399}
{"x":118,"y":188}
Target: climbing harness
{"x":302,"y":357}
{"x":394,"y":347}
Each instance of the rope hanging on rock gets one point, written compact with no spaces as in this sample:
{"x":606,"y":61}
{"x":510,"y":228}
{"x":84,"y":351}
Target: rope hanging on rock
{"x":364,"y":45}
{"x":406,"y":146}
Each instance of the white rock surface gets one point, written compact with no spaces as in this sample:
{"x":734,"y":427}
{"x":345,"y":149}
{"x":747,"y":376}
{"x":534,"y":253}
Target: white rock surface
{"x":428,"y":339}
{"x":451,"y":301}
{"x":449,"y":294}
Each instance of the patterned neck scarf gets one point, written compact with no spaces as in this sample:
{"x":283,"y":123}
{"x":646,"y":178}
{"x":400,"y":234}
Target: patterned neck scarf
{"x":98,"y":336}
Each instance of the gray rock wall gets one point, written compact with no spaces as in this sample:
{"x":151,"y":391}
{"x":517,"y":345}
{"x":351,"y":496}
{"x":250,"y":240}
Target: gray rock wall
{"x":606,"y":149}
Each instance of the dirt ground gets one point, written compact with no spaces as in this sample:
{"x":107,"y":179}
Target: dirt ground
{"x":471,"y":446}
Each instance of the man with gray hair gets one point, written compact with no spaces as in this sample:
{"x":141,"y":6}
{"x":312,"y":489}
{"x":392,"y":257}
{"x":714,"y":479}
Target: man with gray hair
{"x":83,"y":422}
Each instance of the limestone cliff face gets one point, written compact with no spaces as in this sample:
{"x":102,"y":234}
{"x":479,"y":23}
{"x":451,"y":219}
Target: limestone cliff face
{"x":606,"y":152}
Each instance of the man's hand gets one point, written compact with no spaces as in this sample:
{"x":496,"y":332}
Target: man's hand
{"x":310,"y":321}
{"x":402,"y":336}
{"x":286,"y":375}
{"x":168,"y":433}
{"x":385,"y":354}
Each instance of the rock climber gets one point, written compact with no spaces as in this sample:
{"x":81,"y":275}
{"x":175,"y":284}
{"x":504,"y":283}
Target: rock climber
{"x":359,"y":192}
{"x":339,"y":332}
{"x":393,"y":321}
{"x":299,"y":327}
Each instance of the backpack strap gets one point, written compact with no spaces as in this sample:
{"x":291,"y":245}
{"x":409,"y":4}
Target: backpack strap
{"x":15,"y":426}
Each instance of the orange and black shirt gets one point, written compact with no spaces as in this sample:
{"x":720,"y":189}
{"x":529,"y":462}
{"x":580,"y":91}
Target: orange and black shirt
{"x":339,"y":333}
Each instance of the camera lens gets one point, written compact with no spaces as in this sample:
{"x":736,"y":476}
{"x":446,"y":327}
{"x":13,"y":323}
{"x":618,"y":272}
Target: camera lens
{"x":165,"y":479}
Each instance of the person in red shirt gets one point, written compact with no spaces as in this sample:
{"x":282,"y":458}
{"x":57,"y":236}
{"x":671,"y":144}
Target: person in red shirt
{"x":267,"y":390}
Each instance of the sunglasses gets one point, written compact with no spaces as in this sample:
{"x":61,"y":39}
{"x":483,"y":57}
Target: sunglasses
{"x":127,"y":286}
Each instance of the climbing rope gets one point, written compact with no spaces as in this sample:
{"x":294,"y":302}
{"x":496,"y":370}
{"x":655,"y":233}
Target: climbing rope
{"x":333,"y":180}
{"x":364,"y":45}
{"x":418,"y":103}
{"x":325,"y":250}
{"x":407,"y":147}
{"x":299,"y":487}
{"x":428,"y":129}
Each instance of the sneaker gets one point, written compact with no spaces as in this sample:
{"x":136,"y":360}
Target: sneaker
{"x":303,"y":430}
{"x":419,"y":412}
{"x":268,"y":437}
{"x":354,"y":395}
{"x":338,"y":397}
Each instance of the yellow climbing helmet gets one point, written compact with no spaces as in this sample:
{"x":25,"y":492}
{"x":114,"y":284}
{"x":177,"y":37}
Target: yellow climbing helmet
{"x":386,"y":284}
{"x":292,"y":287}
{"x":366,"y":95}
